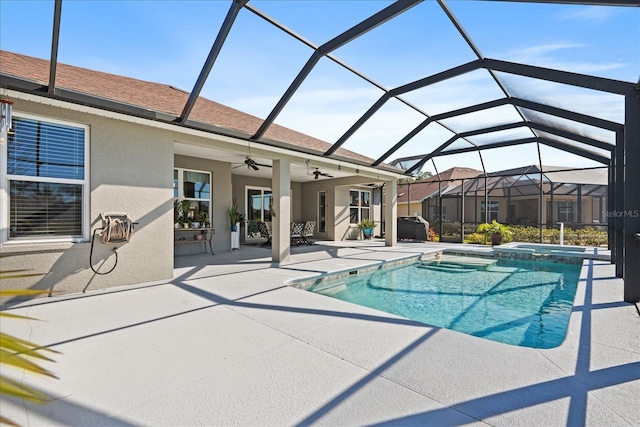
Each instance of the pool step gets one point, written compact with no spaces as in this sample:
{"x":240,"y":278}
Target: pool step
{"x":458,"y":264}
{"x":444,"y":267}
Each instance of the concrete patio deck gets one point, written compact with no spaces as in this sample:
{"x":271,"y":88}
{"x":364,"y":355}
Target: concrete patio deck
{"x":226,"y":342}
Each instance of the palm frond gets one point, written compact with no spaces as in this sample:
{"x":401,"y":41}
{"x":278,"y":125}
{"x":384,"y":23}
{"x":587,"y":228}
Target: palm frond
{"x":16,"y":352}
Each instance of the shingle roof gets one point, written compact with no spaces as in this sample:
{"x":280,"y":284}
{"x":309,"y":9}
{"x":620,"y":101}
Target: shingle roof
{"x":162,"y":98}
{"x":423,"y":189}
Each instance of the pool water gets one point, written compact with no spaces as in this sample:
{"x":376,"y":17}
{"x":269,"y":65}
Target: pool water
{"x":524,"y":303}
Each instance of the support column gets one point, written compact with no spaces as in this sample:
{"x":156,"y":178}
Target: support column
{"x":391,"y":213}
{"x":541,"y":199}
{"x":408,"y":197}
{"x":579,"y":202}
{"x":510,"y":220}
{"x":486,"y":201}
{"x":611,"y":205}
{"x":281,"y":223}
{"x":631,"y":212}
{"x":551,"y":214}
{"x":619,"y":206}
{"x":440,"y":210}
{"x":462,"y":213}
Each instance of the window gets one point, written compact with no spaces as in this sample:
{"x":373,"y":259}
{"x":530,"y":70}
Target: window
{"x":194,"y":186}
{"x":322,"y":211}
{"x":493,"y":211}
{"x":434,"y":213}
{"x":566,"y":212}
{"x":45,"y":180}
{"x":359,"y":208}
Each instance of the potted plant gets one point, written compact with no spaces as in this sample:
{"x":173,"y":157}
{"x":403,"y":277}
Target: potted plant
{"x":234,"y":216}
{"x":367,"y":225}
{"x":177,"y":218}
{"x":202,"y":218}
{"x":498,"y":232}
{"x":182,"y":208}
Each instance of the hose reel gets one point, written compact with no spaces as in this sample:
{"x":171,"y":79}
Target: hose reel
{"x":117,"y":227}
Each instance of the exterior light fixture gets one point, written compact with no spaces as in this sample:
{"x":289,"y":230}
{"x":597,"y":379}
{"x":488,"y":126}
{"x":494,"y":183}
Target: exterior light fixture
{"x":5,"y":119}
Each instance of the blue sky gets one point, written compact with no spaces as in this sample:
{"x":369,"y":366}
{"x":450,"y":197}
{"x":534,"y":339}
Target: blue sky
{"x":168,"y":41}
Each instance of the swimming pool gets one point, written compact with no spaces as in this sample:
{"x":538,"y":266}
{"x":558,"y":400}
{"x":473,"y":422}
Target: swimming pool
{"x":546,"y":249}
{"x":524,"y":303}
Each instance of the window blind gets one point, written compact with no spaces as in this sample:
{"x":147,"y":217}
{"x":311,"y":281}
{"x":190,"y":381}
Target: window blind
{"x":41,"y":153}
{"x":42,"y":149}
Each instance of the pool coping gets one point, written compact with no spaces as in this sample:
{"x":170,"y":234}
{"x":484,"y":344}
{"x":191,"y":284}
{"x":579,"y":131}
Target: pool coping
{"x":502,"y":252}
{"x":305,"y":282}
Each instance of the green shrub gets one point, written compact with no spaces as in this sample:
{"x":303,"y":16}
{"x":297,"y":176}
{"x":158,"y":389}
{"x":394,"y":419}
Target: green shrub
{"x":450,"y":228}
{"x":525,"y":234}
{"x":579,"y":237}
{"x":494,"y":227}
{"x":476,"y":238}
{"x":366,"y":224}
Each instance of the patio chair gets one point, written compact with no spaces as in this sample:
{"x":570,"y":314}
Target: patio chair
{"x":265,"y":231}
{"x":296,"y":232}
{"x":307,"y":231}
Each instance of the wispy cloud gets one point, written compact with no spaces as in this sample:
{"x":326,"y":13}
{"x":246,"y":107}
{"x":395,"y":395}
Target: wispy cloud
{"x":591,"y":14}
{"x":547,"y":55}
{"x":543,"y":50}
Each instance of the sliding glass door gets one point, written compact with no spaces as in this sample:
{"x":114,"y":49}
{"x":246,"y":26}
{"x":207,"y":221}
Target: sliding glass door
{"x":258,"y":200}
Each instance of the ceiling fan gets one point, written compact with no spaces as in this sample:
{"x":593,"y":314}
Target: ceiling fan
{"x":251,"y":164}
{"x":317,"y":173}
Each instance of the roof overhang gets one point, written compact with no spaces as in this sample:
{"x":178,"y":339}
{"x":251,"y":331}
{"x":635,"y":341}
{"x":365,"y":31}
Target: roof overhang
{"x":219,"y":140}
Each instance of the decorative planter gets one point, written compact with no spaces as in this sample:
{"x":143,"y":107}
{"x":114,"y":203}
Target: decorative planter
{"x":496,"y":239}
{"x":235,"y":236}
{"x":367,"y":233}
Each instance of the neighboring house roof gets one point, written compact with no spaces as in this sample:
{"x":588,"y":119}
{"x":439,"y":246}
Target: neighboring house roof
{"x":165,"y":99}
{"x":521,"y":181}
{"x":457,"y":173}
{"x":424,"y":189}
{"x":419,"y":191}
{"x":525,"y":181}
{"x":560,"y":174}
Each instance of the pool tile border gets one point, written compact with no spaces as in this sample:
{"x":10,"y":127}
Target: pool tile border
{"x":305,"y":283}
{"x":503,"y":252}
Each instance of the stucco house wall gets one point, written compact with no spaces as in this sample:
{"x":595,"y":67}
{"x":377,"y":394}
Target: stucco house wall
{"x":131,"y":170}
{"x":343,"y":229}
{"x":221,"y":196}
{"x":309,"y":206}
